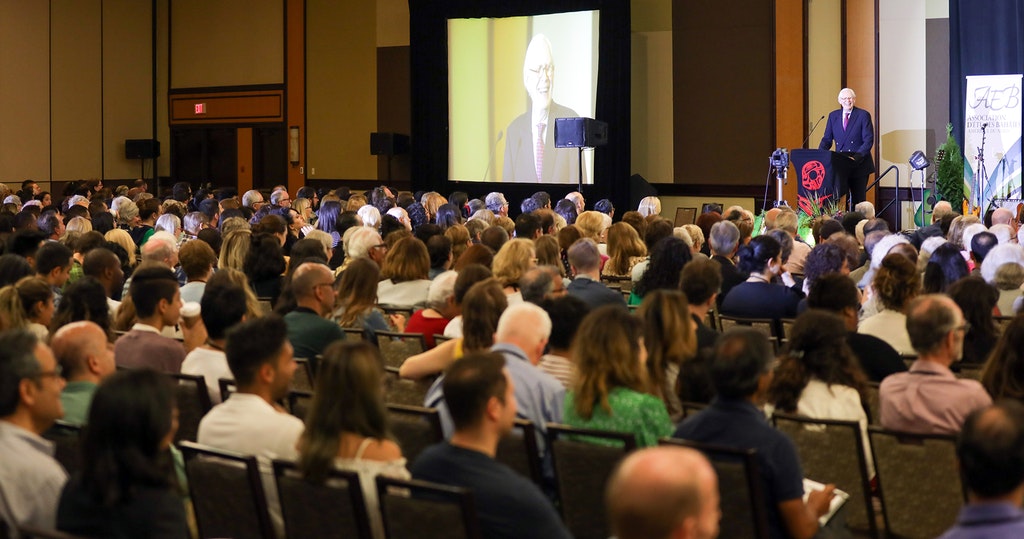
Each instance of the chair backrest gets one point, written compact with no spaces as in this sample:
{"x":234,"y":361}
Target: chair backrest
{"x":29,"y":532}
{"x":303,"y":378}
{"x":438,"y":339}
{"x":833,"y":451}
{"x":519,"y":450}
{"x":690,"y":408}
{"x":227,"y":387}
{"x":398,"y":390}
{"x":266,"y":305}
{"x":919,"y":480}
{"x":969,"y":372}
{"x":354,"y":334}
{"x":396,"y":347}
{"x":874,"y":403}
{"x":740,"y":488}
{"x":65,"y":438}
{"x":303,"y":503}
{"x":582,"y":469}
{"x":786,"y":327}
{"x":299,"y":403}
{"x":421,"y":510}
{"x":193,"y":402}
{"x":227,"y":493}
{"x":415,"y":428}
{"x":769,"y":326}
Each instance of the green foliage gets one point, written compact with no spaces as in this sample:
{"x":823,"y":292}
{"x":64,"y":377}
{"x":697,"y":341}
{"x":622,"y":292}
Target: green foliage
{"x":950,"y":180}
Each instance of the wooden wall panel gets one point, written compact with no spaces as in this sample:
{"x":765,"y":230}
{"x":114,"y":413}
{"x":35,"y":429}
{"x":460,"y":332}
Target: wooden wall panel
{"x":227,"y":43}
{"x":228,"y":107}
{"x":295,"y":77}
{"x":77,"y":89}
{"x":127,"y":83}
{"x":862,"y":62}
{"x":24,"y":91}
{"x":163,"y":128}
{"x":790,"y":87}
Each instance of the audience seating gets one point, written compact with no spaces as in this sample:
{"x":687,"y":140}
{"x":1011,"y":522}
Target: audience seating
{"x":874,"y":403}
{"x":624,"y":283}
{"x":415,"y":428}
{"x":303,"y":504}
{"x":520,"y":451}
{"x":29,"y":532}
{"x":581,"y":470}
{"x":1002,"y":322}
{"x":397,"y":309}
{"x":396,"y":347}
{"x":438,"y":339}
{"x":832,"y":451}
{"x":303,"y":378}
{"x":919,"y":481}
{"x":227,"y":387}
{"x":739,"y":486}
{"x":266,"y":305}
{"x":65,"y":438}
{"x":227,"y":493}
{"x":193,"y":402}
{"x":356,"y":334}
{"x":421,"y":510}
{"x":769,"y":326}
{"x":299,"y":403}
{"x":969,"y":371}
{"x":690,"y":408}
{"x":401,"y":391}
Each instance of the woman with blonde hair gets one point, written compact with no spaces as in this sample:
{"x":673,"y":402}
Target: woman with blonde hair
{"x":590,"y":224}
{"x":27,"y":304}
{"x":511,"y":262}
{"x":625,"y":250}
{"x":459,"y":235}
{"x":670,"y":335}
{"x":405,"y":271}
{"x":357,"y":300}
{"x":122,"y":238}
{"x":78,"y":224}
{"x":612,"y":390}
{"x":348,"y":430}
{"x":549,"y":253}
{"x":649,"y":206}
{"x":431,"y":202}
{"x":237,"y":277}
{"x":234,"y":249}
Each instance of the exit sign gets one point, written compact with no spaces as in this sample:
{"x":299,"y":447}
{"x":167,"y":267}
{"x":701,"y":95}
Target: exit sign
{"x":200,"y":108}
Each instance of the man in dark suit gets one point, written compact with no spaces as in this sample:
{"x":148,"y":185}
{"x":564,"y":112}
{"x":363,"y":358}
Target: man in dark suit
{"x":530,"y":153}
{"x":724,"y":241}
{"x":585,"y":261}
{"x":851,"y":130}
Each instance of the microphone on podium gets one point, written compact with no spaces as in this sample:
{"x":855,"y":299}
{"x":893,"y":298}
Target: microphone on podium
{"x":490,"y":162}
{"x":808,"y":137}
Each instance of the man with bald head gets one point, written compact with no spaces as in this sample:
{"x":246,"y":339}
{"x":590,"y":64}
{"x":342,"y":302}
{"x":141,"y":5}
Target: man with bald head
{"x":530,"y":154}
{"x":663,"y":493}
{"x":930,"y":399}
{"x":86,"y":358}
{"x":309,"y":331}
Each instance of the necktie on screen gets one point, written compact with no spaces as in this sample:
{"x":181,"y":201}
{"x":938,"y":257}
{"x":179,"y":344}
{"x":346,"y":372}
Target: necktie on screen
{"x":539,"y":151}
{"x":846,"y":120}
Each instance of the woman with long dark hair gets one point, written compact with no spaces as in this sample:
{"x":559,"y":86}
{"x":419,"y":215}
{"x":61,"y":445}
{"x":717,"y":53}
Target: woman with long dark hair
{"x":1003,"y":374}
{"x":127,"y":487}
{"x":670,"y":335}
{"x":945,"y":266}
{"x":348,"y":429}
{"x":668,"y":256}
{"x":977,"y":299}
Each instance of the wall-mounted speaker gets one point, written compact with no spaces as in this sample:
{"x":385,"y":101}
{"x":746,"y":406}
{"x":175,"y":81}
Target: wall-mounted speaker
{"x":141,"y":148}
{"x":580,"y":133}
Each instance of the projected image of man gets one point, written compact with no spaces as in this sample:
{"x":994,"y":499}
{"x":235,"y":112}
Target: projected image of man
{"x":530,"y":154}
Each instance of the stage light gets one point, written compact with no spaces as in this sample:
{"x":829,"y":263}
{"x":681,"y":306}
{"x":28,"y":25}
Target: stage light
{"x":918,"y":161}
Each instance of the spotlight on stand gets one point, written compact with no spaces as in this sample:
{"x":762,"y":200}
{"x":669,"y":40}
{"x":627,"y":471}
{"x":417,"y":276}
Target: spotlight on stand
{"x":918,"y":161}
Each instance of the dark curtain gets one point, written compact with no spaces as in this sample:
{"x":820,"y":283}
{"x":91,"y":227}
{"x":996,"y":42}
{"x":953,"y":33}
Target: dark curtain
{"x":428,"y":43}
{"x":986,"y":37}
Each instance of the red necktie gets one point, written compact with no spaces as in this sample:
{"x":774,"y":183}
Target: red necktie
{"x":539,"y":151}
{"x":846,"y":120}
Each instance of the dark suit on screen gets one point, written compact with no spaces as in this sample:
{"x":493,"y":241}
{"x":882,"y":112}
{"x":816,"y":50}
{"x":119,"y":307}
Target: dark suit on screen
{"x":561,"y":165}
{"x":855,"y":141}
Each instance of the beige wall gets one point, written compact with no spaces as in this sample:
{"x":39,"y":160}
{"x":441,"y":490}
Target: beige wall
{"x":824,"y":62}
{"x":74,"y":83}
{"x":226,"y":43}
{"x":341,"y":89}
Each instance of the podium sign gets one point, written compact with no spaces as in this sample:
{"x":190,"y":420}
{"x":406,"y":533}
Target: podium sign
{"x":816,"y":179}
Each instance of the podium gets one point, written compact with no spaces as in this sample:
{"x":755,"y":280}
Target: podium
{"x":821,"y":175}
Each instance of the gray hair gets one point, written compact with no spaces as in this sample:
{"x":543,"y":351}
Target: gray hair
{"x":1004,"y":253}
{"x":538,"y":282}
{"x":251,"y":197}
{"x":168,"y":222}
{"x":725,"y":236}
{"x":866,"y":208}
{"x":495,"y":201}
{"x":194,"y":222}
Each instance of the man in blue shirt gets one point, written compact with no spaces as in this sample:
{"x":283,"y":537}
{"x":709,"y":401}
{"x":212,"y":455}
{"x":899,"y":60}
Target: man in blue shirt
{"x":991,"y":454}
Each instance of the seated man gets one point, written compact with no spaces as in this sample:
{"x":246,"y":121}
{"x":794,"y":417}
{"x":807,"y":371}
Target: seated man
{"x":990,"y":451}
{"x":930,"y":399}
{"x":663,"y":493}
{"x":481,"y":398}
{"x":105,"y":266}
{"x":86,"y":358}
{"x":741,"y":373}
{"x":223,"y":307}
{"x":585,"y":261}
{"x":53,"y":265}
{"x":157,"y":299}
{"x":30,"y":385}
{"x":308,"y":331}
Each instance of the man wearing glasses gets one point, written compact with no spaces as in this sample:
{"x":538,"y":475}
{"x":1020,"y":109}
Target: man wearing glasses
{"x":929,"y":398}
{"x":309,"y":331}
{"x":30,"y":387}
{"x":530,"y":154}
{"x":851,"y":129}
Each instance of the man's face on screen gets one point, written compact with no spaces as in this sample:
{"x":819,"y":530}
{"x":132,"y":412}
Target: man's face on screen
{"x":539,"y":71}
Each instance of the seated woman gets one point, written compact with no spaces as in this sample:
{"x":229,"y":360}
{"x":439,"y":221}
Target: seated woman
{"x":27,"y":304}
{"x":819,"y":377}
{"x":668,"y":257}
{"x":405,"y":271}
{"x":625,"y":250}
{"x":481,"y":309}
{"x":611,"y":391}
{"x":670,"y":335}
{"x":440,"y":310}
{"x":977,"y":299}
{"x":264,"y":265}
{"x":348,"y":429}
{"x":513,"y":260}
{"x":127,"y":486}
{"x":1003,"y":374}
{"x":945,"y":266}
{"x":357,"y":301}
{"x":758,"y":297}
{"x":896,"y":282}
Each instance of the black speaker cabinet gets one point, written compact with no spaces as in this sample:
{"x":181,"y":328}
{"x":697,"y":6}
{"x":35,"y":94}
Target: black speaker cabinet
{"x":580,"y":132}
{"x":388,"y":144}
{"x":141,"y":148}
